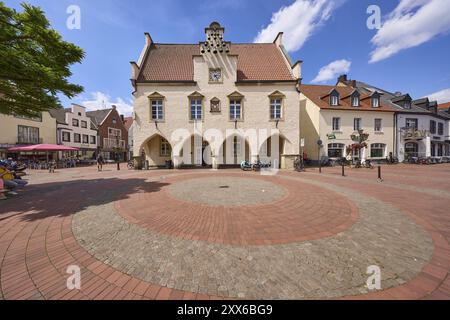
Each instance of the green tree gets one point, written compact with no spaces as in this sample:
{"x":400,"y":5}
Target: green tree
{"x":34,"y":62}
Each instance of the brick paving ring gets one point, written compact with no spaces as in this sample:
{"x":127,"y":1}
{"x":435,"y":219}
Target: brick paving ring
{"x":307,"y":240}
{"x":239,"y":210}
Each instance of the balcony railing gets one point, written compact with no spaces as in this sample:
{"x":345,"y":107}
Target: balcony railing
{"x":29,"y":140}
{"x":112,"y":143}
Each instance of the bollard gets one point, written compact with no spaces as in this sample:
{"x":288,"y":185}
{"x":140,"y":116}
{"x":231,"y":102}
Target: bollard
{"x":343,"y":170}
{"x":379,"y":174}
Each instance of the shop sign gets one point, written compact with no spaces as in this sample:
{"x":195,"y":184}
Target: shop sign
{"x":7,"y":146}
{"x":413,"y":134}
{"x":331,"y":136}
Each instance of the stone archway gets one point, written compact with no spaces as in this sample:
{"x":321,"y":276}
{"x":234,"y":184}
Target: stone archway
{"x":157,"y":150}
{"x":234,"y":149}
{"x":274,"y":150}
{"x":195,"y":151}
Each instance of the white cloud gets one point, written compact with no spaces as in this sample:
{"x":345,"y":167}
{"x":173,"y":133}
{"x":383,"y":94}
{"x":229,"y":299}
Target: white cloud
{"x":331,"y":70}
{"x":441,"y":96}
{"x":100,"y":100}
{"x":410,"y":24}
{"x":298,"y":22}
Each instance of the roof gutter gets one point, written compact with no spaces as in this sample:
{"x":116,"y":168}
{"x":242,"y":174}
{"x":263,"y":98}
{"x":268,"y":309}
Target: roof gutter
{"x":243,"y":82}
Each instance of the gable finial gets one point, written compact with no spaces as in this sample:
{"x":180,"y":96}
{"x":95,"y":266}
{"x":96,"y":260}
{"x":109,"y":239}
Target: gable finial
{"x":214,"y":41}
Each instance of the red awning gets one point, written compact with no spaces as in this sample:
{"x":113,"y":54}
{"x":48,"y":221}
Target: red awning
{"x":43,"y":147}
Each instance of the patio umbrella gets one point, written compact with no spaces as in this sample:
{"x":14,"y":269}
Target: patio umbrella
{"x":44,"y":148}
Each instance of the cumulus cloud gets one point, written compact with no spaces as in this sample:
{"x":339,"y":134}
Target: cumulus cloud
{"x":441,"y":96}
{"x":298,"y":21}
{"x":100,"y":100}
{"x":410,"y":24}
{"x":331,"y":70}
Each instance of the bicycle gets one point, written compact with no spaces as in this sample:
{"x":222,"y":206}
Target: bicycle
{"x":424,"y":160}
{"x":367,"y":164}
{"x":391,"y":160}
{"x":130,"y":165}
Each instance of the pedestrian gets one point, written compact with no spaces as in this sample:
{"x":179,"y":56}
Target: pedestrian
{"x":99,"y":162}
{"x":51,"y":166}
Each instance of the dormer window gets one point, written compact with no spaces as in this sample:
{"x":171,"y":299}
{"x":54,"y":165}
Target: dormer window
{"x":355,"y":99}
{"x":375,"y":102}
{"x":334,"y":98}
{"x":407,"y":104}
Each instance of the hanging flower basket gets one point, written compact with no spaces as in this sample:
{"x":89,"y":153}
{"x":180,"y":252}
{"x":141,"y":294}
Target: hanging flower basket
{"x":355,"y":146}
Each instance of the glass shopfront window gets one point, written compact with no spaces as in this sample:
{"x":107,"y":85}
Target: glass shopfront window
{"x":336,"y":150}
{"x":411,"y":149}
{"x":377,"y":150}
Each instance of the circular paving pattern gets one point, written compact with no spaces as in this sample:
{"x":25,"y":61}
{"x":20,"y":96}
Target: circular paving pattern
{"x":250,"y":211}
{"x":333,"y":265}
{"x":227,"y":191}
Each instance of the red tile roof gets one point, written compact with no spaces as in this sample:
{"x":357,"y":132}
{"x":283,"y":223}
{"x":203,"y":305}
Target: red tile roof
{"x":256,"y":62}
{"x":444,"y":106}
{"x":319,"y":94}
{"x":128,"y":121}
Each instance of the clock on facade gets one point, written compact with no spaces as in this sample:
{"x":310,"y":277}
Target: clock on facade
{"x":215,"y":75}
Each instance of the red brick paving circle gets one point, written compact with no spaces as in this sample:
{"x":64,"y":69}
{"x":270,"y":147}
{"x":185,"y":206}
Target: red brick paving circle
{"x":307,"y":212}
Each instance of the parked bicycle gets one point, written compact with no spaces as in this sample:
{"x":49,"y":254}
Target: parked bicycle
{"x":367,"y":164}
{"x":299,"y":164}
{"x":391,"y":159}
{"x":424,"y":160}
{"x":258,"y":165}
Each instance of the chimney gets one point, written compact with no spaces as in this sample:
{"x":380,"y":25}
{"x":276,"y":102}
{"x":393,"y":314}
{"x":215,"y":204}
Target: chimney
{"x":342,"y":78}
{"x":122,"y":118}
{"x":353,"y":83}
{"x":397,"y":93}
{"x":114,"y":107}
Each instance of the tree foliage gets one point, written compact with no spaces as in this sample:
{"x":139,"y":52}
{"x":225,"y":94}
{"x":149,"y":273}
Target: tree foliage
{"x":34,"y":62}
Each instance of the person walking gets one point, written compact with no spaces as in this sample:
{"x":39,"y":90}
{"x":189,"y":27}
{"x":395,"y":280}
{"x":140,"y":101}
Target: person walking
{"x":100,"y":163}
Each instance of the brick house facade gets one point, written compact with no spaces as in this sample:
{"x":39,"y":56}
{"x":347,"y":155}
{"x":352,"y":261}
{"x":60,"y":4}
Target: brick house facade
{"x":112,"y":133}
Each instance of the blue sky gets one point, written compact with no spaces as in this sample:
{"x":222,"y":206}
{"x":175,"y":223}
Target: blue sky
{"x":410,"y":53}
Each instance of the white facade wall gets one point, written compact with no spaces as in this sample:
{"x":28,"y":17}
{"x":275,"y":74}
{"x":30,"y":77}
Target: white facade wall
{"x":78,"y":113}
{"x":426,"y":144}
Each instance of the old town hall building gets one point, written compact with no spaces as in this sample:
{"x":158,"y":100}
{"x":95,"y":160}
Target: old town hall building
{"x":215,"y":102}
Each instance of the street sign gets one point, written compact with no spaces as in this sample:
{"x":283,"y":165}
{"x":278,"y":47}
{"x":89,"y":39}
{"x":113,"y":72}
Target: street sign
{"x":302,"y":142}
{"x":319,"y":142}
